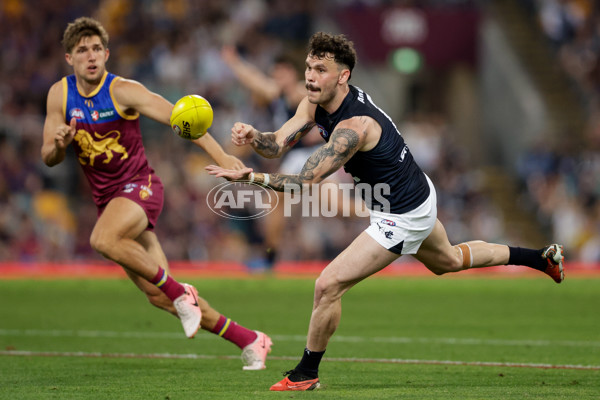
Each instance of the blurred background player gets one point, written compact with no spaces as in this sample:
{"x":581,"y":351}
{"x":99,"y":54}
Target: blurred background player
{"x":403,"y":219}
{"x":280,"y":91}
{"x":98,"y":113}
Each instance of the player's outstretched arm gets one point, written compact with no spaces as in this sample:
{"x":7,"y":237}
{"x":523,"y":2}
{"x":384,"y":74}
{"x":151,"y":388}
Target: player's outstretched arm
{"x":57,"y":134}
{"x":275,"y":144}
{"x":133,"y":97}
{"x":216,"y":152}
{"x":348,"y":138}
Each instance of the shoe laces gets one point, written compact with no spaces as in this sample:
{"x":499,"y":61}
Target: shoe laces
{"x":297,"y":376}
{"x":551,"y":253}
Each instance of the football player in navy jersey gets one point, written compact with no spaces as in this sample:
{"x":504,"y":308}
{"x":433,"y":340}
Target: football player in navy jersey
{"x":403,"y":218}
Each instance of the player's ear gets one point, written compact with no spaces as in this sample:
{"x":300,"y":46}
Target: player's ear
{"x":69,"y":58}
{"x":107,"y":55}
{"x":344,"y":76}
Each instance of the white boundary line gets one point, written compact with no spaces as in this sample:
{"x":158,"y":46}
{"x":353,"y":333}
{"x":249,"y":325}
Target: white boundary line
{"x":301,"y":338}
{"x":24,"y":353}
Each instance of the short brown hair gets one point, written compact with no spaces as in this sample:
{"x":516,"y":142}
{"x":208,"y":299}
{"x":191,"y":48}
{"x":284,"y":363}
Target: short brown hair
{"x":81,"y":27}
{"x":339,"y":46}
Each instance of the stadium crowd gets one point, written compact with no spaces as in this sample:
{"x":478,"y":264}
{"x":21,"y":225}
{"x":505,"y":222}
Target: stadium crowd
{"x":46,"y":213}
{"x":563,"y":182}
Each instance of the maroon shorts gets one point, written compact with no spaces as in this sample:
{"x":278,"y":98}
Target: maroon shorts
{"x":146,"y":190}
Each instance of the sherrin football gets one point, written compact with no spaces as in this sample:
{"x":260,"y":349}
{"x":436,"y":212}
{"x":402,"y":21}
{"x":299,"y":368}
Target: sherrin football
{"x":191,"y":117}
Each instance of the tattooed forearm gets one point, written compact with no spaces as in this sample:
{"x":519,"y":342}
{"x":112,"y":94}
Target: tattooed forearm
{"x":292,"y":139}
{"x":265,"y":145}
{"x":278,"y":182}
{"x":323,"y":162}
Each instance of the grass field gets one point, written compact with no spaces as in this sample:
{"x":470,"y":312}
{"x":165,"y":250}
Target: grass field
{"x":400,"y":338}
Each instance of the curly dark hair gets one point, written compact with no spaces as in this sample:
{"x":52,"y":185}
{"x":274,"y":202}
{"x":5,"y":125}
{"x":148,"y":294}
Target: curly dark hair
{"x":339,"y":46}
{"x":81,"y":27}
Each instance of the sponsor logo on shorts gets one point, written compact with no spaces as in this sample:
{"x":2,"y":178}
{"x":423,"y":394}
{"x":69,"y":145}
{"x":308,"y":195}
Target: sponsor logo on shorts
{"x":388,"y":222}
{"x":128,"y":188}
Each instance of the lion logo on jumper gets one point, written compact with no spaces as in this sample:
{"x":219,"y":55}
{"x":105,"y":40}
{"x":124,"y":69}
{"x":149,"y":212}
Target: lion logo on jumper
{"x":93,"y":146}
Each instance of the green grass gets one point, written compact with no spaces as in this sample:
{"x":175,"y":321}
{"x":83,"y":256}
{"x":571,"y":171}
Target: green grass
{"x":97,"y":322}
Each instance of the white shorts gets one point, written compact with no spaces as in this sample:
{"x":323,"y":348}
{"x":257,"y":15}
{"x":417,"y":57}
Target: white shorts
{"x":404,"y":233}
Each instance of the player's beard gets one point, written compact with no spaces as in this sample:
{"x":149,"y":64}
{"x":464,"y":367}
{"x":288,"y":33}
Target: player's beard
{"x":325,"y":95}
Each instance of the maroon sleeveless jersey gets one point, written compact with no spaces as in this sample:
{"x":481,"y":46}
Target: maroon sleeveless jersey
{"x":107,"y":142}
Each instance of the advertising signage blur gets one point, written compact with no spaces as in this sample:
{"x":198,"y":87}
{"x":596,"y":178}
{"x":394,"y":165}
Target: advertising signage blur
{"x":442,"y":36}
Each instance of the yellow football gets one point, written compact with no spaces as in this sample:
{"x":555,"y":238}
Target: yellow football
{"x":191,"y":117}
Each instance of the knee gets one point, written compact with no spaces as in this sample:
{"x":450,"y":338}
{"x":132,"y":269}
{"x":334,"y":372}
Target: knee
{"x":327,"y":289}
{"x":100,"y":243}
{"x":446,"y":263}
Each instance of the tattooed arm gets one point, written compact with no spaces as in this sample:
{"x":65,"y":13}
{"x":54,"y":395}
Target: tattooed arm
{"x":275,"y":144}
{"x":348,"y":137}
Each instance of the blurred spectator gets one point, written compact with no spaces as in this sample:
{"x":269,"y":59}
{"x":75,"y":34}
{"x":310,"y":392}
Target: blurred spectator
{"x":563,"y":183}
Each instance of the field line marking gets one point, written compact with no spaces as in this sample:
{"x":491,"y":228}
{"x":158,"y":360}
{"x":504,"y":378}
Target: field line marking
{"x":24,"y":353}
{"x":302,"y":338}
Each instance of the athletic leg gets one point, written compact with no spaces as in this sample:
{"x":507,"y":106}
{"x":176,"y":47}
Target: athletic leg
{"x":115,"y":236}
{"x":439,"y":256}
{"x":255,"y":345}
{"x":362,"y":258}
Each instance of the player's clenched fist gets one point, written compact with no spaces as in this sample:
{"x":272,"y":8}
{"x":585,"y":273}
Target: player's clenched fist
{"x":65,"y":134}
{"x":242,"y":134}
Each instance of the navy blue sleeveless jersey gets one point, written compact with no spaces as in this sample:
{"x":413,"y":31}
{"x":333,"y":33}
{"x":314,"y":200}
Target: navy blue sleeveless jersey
{"x":389,"y":162}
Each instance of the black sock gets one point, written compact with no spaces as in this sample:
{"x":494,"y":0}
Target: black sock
{"x":527,"y":257}
{"x":309,"y":365}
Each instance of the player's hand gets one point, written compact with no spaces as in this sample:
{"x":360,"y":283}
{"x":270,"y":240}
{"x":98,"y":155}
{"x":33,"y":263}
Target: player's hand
{"x":232,"y":162}
{"x":65,"y":134}
{"x":242,"y":134}
{"x":229,"y":174}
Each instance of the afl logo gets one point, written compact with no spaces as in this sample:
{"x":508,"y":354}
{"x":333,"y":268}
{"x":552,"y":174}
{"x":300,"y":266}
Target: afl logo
{"x":95,"y":115}
{"x":76,"y":113}
{"x":241,"y":201}
{"x":324,"y":134}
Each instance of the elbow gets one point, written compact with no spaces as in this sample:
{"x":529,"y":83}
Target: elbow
{"x":49,"y":159}
{"x":46,"y":159}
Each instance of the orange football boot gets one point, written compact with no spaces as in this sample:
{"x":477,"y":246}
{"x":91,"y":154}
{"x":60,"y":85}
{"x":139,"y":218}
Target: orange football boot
{"x":554,"y":256}
{"x":303,"y":384}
